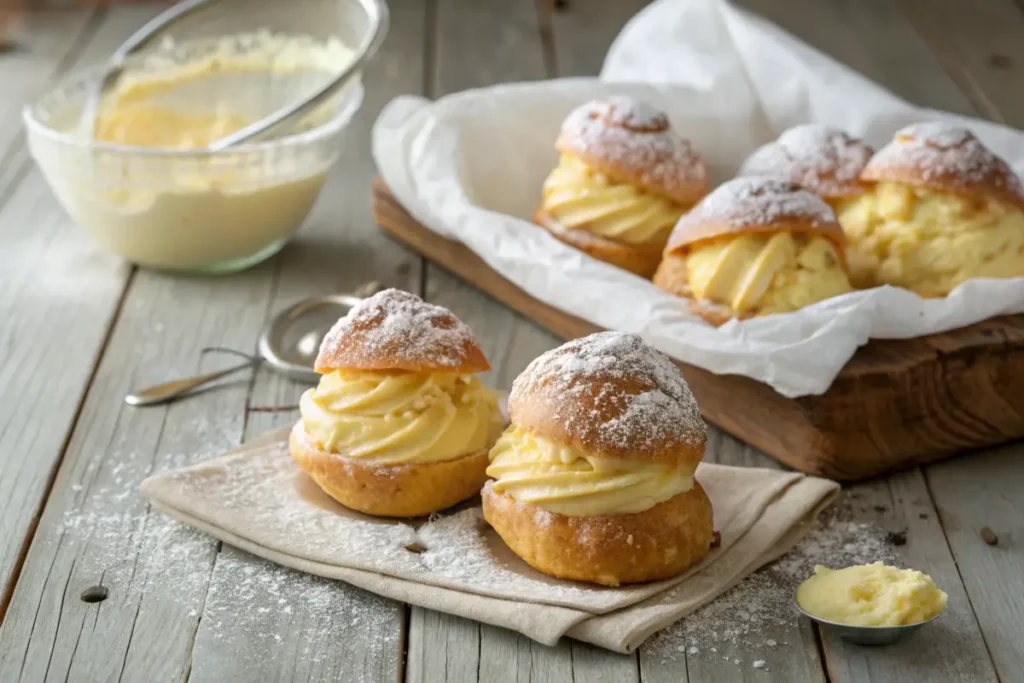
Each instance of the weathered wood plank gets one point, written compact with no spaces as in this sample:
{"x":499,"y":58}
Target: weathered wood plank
{"x":337,"y":251}
{"x":442,"y":648}
{"x":57,"y":290}
{"x":97,"y":530}
{"x":52,"y":39}
{"x":508,"y":657}
{"x":583,"y":33}
{"x":986,"y":492}
{"x":981,"y":49}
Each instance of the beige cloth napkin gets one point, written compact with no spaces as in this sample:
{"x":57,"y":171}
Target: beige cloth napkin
{"x":257,"y":499}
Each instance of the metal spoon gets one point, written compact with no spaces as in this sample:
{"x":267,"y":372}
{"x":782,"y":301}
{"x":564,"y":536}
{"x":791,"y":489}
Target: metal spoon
{"x":276,"y":348}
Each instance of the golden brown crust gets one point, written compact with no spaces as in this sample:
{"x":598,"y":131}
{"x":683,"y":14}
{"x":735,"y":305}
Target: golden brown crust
{"x":633,"y":143}
{"x":752,"y":205}
{"x":396,"y":330}
{"x":818,"y":158}
{"x":658,"y":543}
{"x":672,"y":278}
{"x":389,"y":491}
{"x":641,"y":260}
{"x":945,"y":158}
{"x":613,"y":396}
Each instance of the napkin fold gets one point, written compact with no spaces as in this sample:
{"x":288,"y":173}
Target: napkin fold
{"x":258,"y":499}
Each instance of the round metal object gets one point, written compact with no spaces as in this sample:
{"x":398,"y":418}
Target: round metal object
{"x":865,"y":635}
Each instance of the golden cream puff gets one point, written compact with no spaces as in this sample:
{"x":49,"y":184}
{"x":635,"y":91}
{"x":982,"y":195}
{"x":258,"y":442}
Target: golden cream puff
{"x":941,"y":209}
{"x":755,"y":246}
{"x":594,"y":479}
{"x":822,"y":160}
{"x":623,"y":180}
{"x":399,"y":425}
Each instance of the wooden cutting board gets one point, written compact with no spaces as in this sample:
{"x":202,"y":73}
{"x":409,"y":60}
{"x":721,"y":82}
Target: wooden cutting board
{"x":896,"y":404}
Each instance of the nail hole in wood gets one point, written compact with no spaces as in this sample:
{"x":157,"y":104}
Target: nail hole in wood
{"x":999,"y":61}
{"x":94,"y":594}
{"x":416,"y":548}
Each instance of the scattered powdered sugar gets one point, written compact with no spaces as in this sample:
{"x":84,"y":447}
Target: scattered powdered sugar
{"x":635,"y":139}
{"x":753,"y":615}
{"x":944,"y":153}
{"x":400,"y":328}
{"x":614,"y":392}
{"x":754,"y":201}
{"x":821,"y":159}
{"x":257,"y":609}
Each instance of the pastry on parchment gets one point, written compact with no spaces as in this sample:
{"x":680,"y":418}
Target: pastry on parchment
{"x":399,"y":424}
{"x":941,"y":209}
{"x":755,"y":246}
{"x":821,"y":159}
{"x":594,"y":479}
{"x":623,"y":179}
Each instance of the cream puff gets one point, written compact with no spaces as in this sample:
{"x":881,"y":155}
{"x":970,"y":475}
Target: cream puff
{"x":941,"y":209}
{"x":821,"y":159}
{"x":594,"y":479}
{"x":755,"y":246}
{"x":623,"y":180}
{"x":399,"y":425}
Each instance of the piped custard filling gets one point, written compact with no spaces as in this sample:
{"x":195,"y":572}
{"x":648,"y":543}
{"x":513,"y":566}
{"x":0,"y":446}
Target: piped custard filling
{"x":930,"y":242}
{"x":393,"y":418}
{"x":761,"y":274}
{"x":570,"y":481}
{"x":580,"y":197}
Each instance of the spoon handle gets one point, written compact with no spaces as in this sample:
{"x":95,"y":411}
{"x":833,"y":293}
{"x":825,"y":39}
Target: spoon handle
{"x":168,"y":391}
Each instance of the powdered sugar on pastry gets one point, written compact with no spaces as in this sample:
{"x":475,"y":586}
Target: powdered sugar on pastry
{"x":819,"y":158}
{"x":398,"y":330}
{"x":638,"y":399}
{"x":756,"y":201}
{"x":946,"y":155}
{"x":632,"y":140}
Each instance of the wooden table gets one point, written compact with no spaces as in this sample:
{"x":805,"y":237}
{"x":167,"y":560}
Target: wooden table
{"x":79,"y":329}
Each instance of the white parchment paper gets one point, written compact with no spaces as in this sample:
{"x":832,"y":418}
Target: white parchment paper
{"x":470,"y":167}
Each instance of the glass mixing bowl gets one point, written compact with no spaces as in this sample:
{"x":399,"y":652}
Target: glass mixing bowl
{"x":197,"y":210}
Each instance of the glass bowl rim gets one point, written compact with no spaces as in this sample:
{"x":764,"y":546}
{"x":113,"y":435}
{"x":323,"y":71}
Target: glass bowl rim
{"x":350,"y":104}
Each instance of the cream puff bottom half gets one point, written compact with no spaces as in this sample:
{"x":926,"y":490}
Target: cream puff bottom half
{"x":409,"y":490}
{"x":613,"y":550}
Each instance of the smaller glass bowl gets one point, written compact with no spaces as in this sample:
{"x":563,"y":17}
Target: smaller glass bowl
{"x":190,"y":210}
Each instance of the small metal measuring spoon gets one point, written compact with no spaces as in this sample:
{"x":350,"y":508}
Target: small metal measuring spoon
{"x":289,"y":345}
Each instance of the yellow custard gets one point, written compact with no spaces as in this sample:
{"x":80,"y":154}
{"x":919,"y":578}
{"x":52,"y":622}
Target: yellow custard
{"x":579,"y":197}
{"x":570,"y":481}
{"x":930,"y":242}
{"x":871,"y":595}
{"x":401,"y":417}
{"x":764,"y":274}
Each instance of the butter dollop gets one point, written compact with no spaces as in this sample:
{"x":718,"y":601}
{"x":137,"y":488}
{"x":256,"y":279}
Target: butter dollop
{"x":871,"y":595}
{"x":929,"y":242}
{"x":569,"y":481}
{"x":392,"y":418}
{"x":764,"y":274}
{"x":580,"y":197}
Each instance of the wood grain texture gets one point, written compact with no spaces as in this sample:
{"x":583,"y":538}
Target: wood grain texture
{"x":981,"y":49}
{"x":336,"y":251}
{"x":58,"y":292}
{"x":896,"y":404}
{"x":509,"y":657}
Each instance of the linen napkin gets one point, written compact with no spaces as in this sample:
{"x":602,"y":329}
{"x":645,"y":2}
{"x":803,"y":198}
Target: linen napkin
{"x":258,"y":499}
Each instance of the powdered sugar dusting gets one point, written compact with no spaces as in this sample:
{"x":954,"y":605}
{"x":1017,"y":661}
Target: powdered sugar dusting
{"x":758,"y":615}
{"x":401,"y":328}
{"x":947,"y":154}
{"x":757,"y":201}
{"x":615,"y":391}
{"x":635,"y":136}
{"x":821,"y":159}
